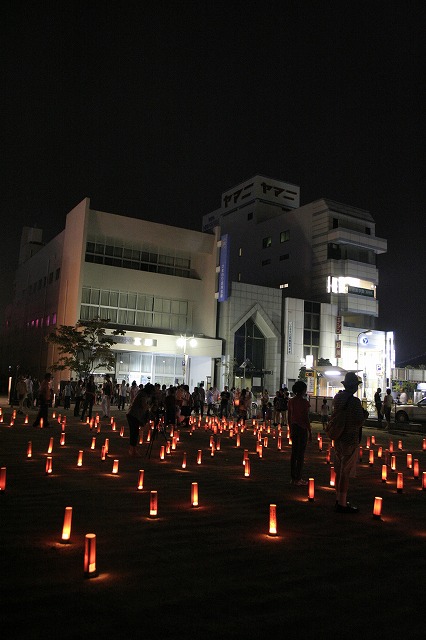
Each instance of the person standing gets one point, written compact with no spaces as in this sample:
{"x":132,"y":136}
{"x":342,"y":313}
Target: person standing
{"x":30,"y":387}
{"x":378,"y":404}
{"x":122,"y":395}
{"x":300,"y":430}
{"x":324,"y":413}
{"x":202,"y":398}
{"x":387,"y":408}
{"x":67,"y":395}
{"x":21,"y":392}
{"x":137,"y":416}
{"x":264,"y":399}
{"x":78,"y":395}
{"x":225,"y":398}
{"x":106,"y":396}
{"x":346,"y":445}
{"x":44,"y":398}
{"x":403,"y":398}
{"x":89,"y":397}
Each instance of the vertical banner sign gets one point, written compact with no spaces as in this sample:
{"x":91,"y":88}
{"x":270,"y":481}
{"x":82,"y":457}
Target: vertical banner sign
{"x":338,"y":345}
{"x":224,"y":268}
{"x":290,"y":338}
{"x":310,"y":381}
{"x":339,"y":325}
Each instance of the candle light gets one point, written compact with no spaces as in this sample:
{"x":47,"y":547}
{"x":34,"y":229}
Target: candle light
{"x":393,"y":463}
{"x":162,"y":452}
{"x":199,"y":456}
{"x":373,"y":439}
{"x":371,"y":457}
{"x":279,"y":441}
{"x":328,"y":456}
{"x":399,"y":444}
{"x":184,"y":460}
{"x":50,"y":447}
{"x":424,"y":444}
{"x":121,"y":432}
{"x":90,"y":570}
{"x":218,"y":443}
{"x":272,"y":519}
{"x":320,"y":443}
{"x":174,"y":443}
{"x":115,"y":466}
{"x":62,"y":440}
{"x":311,"y":489}
{"x":49,"y":464}
{"x":332,"y":477}
{"x":80,"y":458}
{"x":26,"y":419}
{"x":194,"y":494}
{"x":409,"y":460}
{"x":416,"y":469}
{"x":265,"y":442}
{"x":168,"y":448}
{"x":3,"y":479}
{"x":153,"y":504}
{"x":360,"y":454}
{"x":391,"y":446}
{"x":29,"y":449}
{"x":93,"y":445}
{"x":260,"y":451}
{"x":384,"y":473}
{"x":103,"y":452}
{"x":380,"y":452}
{"x":377,"y":509}
{"x":247,"y":468}
{"x":368,"y":442}
{"x":106,"y":445}
{"x":424,"y":480}
{"x":400,"y":482}
{"x":238,"y":440}
{"x":41,"y":423}
{"x":140,"y":479}
{"x":66,"y":527}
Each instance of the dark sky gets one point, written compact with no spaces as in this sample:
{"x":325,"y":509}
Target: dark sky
{"x":152,"y":109}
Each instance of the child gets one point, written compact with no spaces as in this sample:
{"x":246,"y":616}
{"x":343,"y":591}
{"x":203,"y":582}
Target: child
{"x":324,"y":413}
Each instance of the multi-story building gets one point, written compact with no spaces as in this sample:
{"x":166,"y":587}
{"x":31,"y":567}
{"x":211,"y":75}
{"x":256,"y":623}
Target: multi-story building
{"x":155,"y":281}
{"x":298,"y":284}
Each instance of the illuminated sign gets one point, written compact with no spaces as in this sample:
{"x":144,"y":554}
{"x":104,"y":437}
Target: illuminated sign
{"x":224,"y":268}
{"x":290,"y":338}
{"x":359,"y":291}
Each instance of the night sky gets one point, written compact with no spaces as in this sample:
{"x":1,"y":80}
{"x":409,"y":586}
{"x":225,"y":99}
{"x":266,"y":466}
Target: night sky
{"x":152,"y":110}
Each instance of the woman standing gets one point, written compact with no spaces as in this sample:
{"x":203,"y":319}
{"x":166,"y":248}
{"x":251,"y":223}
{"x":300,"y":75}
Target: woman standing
{"x":300,"y":430}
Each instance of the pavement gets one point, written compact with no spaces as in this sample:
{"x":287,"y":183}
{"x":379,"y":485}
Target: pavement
{"x":211,"y":571}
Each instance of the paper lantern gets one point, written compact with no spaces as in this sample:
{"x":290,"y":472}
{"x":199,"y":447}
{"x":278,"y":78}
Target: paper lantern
{"x":140,"y":479}
{"x":391,"y":446}
{"x":238,"y":440}
{"x":93,"y":445}
{"x":213,"y":449}
{"x":260,"y":451}
{"x":121,"y":432}
{"x":174,"y":443}
{"x":332,"y":477}
{"x":184,"y":460}
{"x":360,"y":454}
{"x":49,"y":464}
{"x":247,"y":468}
{"x":377,"y":508}
{"x":373,"y":439}
{"x":367,"y":446}
{"x":265,"y":442}
{"x":54,"y":415}
{"x":62,"y":440}
{"x":320,"y":443}
{"x":384,"y":472}
{"x":50,"y":447}
{"x":26,"y":419}
{"x":311,"y":489}
{"x":168,"y":449}
{"x":80,"y":458}
{"x":218,"y":443}
{"x":416,"y":469}
{"x":153,"y":504}
{"x":115,"y":466}
{"x":371,"y":457}
{"x":380,"y":452}
{"x":424,"y":444}
{"x":41,"y":423}
{"x":194,"y":494}
{"x":400,"y":482}
{"x":393,"y":463}
{"x":199,"y":456}
{"x":106,"y":445}
{"x":66,"y":527}
{"x":103,"y":452}
{"x":328,"y":456}
{"x":272,"y":519}
{"x":279,"y":445}
{"x":29,"y":449}
{"x":409,"y":460}
{"x":3,"y":479}
{"x":90,"y":570}
{"x":162,"y":452}
{"x":424,"y":480}
{"x":399,"y":444}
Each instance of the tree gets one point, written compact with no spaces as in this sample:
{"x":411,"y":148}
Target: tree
{"x":85,"y":347}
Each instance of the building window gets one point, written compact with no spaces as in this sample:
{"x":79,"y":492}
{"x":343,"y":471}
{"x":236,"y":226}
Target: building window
{"x":267,"y":242}
{"x":240,"y":251}
{"x":284,"y":256}
{"x":334,"y":252}
{"x":250,"y":215}
{"x":311,"y":329}
{"x":239,"y":277}
{"x":266,"y":262}
{"x":285,"y":236}
{"x":335,"y":223}
{"x":368,"y":231}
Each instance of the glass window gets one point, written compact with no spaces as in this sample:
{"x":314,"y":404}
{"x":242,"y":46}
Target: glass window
{"x":118,"y":252}
{"x":267,"y":242}
{"x":105,"y":298}
{"x":113,"y":298}
{"x":85,"y":295}
{"x":109,"y":250}
{"x":132,"y":301}
{"x":123,"y":300}
{"x":285,"y":236}
{"x":122,"y":316}
{"x":95,"y":296}
{"x":131,"y":317}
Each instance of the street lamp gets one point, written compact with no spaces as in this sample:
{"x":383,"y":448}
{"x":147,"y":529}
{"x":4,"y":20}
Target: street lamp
{"x":367,"y":332}
{"x":182,"y":342}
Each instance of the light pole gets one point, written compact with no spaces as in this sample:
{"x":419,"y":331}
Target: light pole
{"x":367,"y":332}
{"x":182,"y":342}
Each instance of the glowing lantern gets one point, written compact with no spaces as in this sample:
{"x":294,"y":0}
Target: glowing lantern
{"x":377,"y":509}
{"x":26,"y":419}
{"x":409,"y":460}
{"x":80,"y":458}
{"x":213,"y":449}
{"x":218,"y":443}
{"x":371,"y":458}
{"x":62,"y":440}
{"x":328,"y":456}
{"x":93,"y":445}
{"x":238,"y":440}
{"x":311,"y":489}
{"x":416,"y":469}
{"x":368,"y":442}
{"x":194,"y":494}
{"x":103,"y":452}
{"x":391,"y":446}
{"x":141,"y":437}
{"x":260,"y":451}
{"x":140,"y":479}
{"x":332,"y":477}
{"x":384,"y":472}
{"x":66,"y":527}
{"x":162,"y":452}
{"x":174,"y":443}
{"x":400,"y":482}
{"x":63,"y":425}
{"x":106,"y":445}
{"x":90,"y":556}
{"x":148,"y":437}
{"x":279,"y":443}
{"x":360,"y":454}
{"x":54,"y":415}
{"x":184,"y":460}
{"x":424,"y":480}
{"x":168,"y":448}
{"x":380,"y":452}
{"x":424,"y":444}
{"x":115,"y":466}
{"x":399,"y":444}
{"x":320,"y":443}
{"x":393,"y":463}
{"x":121,"y":432}
{"x":29,"y":449}
{"x":41,"y":423}
{"x":50,"y":447}
{"x":373,"y":439}
{"x":265,"y":442}
{"x":153,"y":504}
{"x":272,"y":519}
{"x":3,"y":479}
{"x":199,"y":456}
{"x":49,"y":464}
{"x":247,"y":468}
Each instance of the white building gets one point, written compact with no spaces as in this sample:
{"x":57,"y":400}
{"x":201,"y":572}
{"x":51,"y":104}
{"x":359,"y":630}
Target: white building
{"x":155,"y":281}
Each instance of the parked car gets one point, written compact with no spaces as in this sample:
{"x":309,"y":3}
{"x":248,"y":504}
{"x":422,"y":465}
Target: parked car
{"x":410,"y":412}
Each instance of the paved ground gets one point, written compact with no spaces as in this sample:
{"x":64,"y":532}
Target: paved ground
{"x":210,"y":571}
